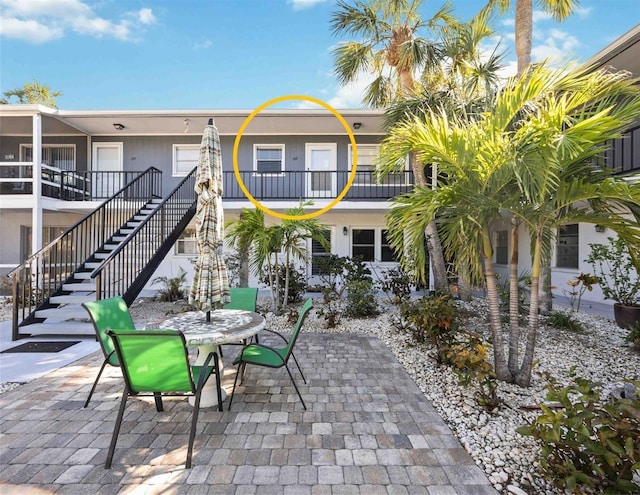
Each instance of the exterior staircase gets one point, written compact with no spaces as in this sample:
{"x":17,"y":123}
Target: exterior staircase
{"x":113,"y":251}
{"x":64,"y":314}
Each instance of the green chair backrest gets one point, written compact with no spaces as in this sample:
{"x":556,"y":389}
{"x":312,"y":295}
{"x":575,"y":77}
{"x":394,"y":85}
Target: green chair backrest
{"x":153,"y":360}
{"x":296,"y":329}
{"x":243,"y":298}
{"x":109,"y":314}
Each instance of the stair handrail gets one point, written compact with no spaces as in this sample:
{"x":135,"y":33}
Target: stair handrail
{"x":128,"y":267}
{"x":43,"y":273}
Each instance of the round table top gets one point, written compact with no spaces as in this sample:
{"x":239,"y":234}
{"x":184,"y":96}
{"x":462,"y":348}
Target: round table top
{"x":226,"y":325}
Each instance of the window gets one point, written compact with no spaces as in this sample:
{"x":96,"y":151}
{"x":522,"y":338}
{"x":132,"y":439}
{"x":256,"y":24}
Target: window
{"x":502,"y":247}
{"x":318,"y":252}
{"x":365,"y":175}
{"x":363,"y":244}
{"x":386,"y":251}
{"x":567,"y":248}
{"x":268,"y":159}
{"x":62,"y":156}
{"x":186,"y":245}
{"x":185,"y":158}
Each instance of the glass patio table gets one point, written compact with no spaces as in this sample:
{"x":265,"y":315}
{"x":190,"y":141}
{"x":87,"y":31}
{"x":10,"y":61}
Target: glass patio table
{"x":226,"y":326}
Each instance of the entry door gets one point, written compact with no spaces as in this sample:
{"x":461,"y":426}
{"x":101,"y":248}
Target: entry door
{"x":321,"y":160}
{"x":318,"y":252}
{"x":107,"y":163}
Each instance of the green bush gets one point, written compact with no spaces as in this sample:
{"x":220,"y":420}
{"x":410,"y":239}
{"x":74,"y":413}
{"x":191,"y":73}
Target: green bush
{"x":588,"y":442}
{"x":562,"y":320}
{"x":634,"y":335}
{"x":361,"y":299}
{"x":172,"y":289}
{"x":397,"y":282}
{"x":432,"y":319}
{"x":297,"y":283}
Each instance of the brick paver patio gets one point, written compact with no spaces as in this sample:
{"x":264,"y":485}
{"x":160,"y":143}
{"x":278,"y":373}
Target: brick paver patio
{"x":369,"y":430}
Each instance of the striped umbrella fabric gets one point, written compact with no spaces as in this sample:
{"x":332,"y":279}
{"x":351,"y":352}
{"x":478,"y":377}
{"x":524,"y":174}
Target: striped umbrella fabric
{"x":210,"y":286}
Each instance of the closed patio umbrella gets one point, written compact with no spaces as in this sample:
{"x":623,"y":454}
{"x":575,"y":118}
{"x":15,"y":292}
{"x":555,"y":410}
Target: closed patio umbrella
{"x":210,"y":286}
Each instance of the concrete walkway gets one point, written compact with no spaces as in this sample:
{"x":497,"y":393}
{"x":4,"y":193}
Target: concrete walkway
{"x":368,"y":430}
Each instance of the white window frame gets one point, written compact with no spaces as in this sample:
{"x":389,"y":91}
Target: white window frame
{"x":183,"y":238}
{"x":377,"y":244}
{"x":387,"y":181}
{"x":177,"y":171}
{"x":280,"y":147}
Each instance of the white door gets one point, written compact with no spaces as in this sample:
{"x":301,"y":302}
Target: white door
{"x":318,"y":252}
{"x":107,"y":164}
{"x":321,"y":165}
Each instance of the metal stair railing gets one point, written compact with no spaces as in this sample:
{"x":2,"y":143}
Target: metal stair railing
{"x":43,"y":274}
{"x":129,"y":267}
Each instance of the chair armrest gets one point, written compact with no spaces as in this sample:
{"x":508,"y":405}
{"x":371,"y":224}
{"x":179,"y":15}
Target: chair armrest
{"x":275,"y":333}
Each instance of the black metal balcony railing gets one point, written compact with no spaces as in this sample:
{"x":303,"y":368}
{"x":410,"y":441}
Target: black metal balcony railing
{"x":294,"y":185}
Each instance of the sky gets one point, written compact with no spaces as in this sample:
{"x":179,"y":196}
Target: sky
{"x":231,"y":54}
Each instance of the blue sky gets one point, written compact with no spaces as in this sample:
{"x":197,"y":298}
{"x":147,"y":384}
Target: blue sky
{"x":221,"y":54}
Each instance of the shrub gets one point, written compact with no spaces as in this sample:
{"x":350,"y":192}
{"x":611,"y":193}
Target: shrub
{"x":398,"y":283}
{"x":582,"y":283}
{"x":562,"y":320}
{"x":588,"y":442}
{"x":361,"y":299}
{"x":469,"y":358}
{"x":432,"y":319}
{"x":297,"y":283}
{"x":172,"y":289}
{"x":634,"y":335}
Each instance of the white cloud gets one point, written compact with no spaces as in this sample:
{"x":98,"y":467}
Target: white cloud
{"x":303,"y":4}
{"x":540,"y":15}
{"x":31,"y":31}
{"x":351,"y":95}
{"x":39,"y":21}
{"x":558,"y":46}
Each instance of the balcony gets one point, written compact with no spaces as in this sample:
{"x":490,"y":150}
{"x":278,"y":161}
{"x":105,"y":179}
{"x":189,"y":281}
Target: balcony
{"x":16,"y":179}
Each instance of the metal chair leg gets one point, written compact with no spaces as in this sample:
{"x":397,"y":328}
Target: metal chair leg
{"x":116,"y":430}
{"x":296,"y":387}
{"x":235,"y":381}
{"x":95,"y":384}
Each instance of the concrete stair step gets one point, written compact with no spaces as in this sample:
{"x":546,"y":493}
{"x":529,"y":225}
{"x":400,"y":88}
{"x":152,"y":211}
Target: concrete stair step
{"x":74,"y":298}
{"x":84,"y":286}
{"x":63,"y":313}
{"x":59,"y":328}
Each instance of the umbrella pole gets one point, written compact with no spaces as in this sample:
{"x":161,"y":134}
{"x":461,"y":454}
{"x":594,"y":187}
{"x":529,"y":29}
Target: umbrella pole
{"x":208,"y":316}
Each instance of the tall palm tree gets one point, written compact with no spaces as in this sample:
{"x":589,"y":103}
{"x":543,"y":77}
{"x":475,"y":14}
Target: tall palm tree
{"x":32,"y":93}
{"x":392,"y":48}
{"x":530,"y":157}
{"x":462,"y":85}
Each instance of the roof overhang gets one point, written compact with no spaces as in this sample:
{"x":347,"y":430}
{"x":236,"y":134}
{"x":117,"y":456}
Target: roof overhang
{"x":622,"y":54}
{"x":173,"y":122}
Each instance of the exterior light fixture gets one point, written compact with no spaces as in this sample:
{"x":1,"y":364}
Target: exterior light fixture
{"x":600,"y":228}
{"x":357,"y":125}
{"x":345,"y":230}
{"x":118,"y":126}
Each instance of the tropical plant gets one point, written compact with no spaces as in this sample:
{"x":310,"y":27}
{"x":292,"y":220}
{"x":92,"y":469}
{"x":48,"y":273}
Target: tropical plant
{"x":534,"y":156}
{"x":32,"y":93}
{"x":616,"y":271}
{"x":588,"y":443}
{"x":563,"y":320}
{"x":391,"y":47}
{"x":172,"y":287}
{"x":267,"y":243}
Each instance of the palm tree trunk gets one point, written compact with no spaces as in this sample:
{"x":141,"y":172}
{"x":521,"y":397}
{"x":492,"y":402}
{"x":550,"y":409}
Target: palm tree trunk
{"x":436,"y":256}
{"x":499,"y":361}
{"x":243,"y":271}
{"x":514,"y":299}
{"x":524,"y":33}
{"x":285,"y":298}
{"x":523,"y":377}
{"x":465,"y":288}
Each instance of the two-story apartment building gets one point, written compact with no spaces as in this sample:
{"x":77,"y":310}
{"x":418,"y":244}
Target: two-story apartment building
{"x":57,"y":166}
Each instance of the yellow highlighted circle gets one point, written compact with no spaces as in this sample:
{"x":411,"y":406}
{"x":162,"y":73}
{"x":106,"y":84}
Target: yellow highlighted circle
{"x":333,"y":203}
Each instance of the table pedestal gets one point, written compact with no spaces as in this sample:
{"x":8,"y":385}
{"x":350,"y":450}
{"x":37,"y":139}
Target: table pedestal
{"x":209,"y":396}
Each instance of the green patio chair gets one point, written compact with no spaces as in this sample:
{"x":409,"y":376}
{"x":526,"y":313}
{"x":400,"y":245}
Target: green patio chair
{"x":241,"y":298}
{"x":273,"y":357}
{"x":105,"y":314}
{"x":156,"y":363}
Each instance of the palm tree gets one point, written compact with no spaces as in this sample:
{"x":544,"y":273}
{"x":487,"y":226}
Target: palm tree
{"x":250,"y":234}
{"x":531,"y":157}
{"x":461,"y":85}
{"x":32,"y":93}
{"x":391,"y":48}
